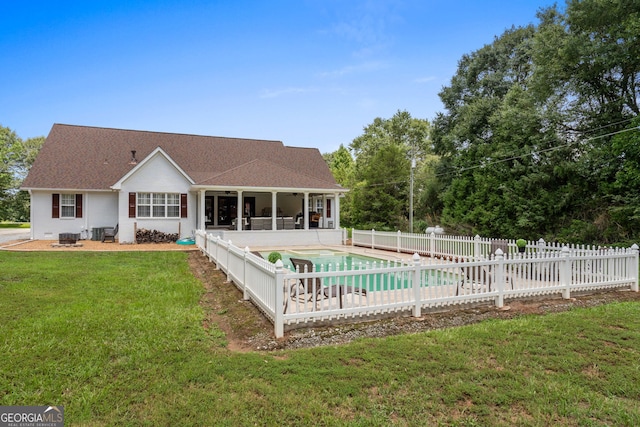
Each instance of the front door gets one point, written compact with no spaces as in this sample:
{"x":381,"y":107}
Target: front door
{"x":208,"y":210}
{"x":227,"y":210}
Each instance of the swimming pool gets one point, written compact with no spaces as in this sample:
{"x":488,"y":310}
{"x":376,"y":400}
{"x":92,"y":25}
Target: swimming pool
{"x":331,"y":260}
{"x":323,"y":258}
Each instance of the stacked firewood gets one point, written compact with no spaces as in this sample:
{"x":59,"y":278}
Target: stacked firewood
{"x":154,"y":236}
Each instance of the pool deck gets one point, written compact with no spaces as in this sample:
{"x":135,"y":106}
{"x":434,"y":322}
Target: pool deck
{"x":375,"y":253}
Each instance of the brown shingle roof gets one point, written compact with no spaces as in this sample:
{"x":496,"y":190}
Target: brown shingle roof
{"x":91,"y":158}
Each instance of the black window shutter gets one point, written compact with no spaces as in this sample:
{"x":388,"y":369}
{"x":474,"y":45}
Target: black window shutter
{"x":55,"y":206}
{"x":132,"y":205}
{"x":78,"y":205}
{"x":183,"y":205}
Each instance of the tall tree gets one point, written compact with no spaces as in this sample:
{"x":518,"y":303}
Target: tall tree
{"x":342,"y":167}
{"x":10,"y":145}
{"x":17,"y":156}
{"x":501,"y":158}
{"x":383,"y":156}
{"x":526,"y":138}
{"x":589,"y":63}
{"x":381,"y":194}
{"x":624,"y":199}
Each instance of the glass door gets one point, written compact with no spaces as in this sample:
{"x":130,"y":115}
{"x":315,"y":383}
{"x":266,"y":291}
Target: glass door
{"x":227,"y":210}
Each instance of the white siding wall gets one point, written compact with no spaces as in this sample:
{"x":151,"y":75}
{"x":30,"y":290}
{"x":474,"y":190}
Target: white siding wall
{"x":99,"y":210}
{"x":156,"y":176}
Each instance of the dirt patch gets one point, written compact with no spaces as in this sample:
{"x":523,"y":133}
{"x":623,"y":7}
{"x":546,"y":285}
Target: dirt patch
{"x":247,"y":329}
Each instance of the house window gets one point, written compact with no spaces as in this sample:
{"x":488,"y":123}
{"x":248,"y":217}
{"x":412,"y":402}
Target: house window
{"x":67,"y":206}
{"x":144,"y":205}
{"x":173,"y":205}
{"x":158,"y":205}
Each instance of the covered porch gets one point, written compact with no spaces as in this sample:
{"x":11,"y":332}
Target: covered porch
{"x":268,"y":216}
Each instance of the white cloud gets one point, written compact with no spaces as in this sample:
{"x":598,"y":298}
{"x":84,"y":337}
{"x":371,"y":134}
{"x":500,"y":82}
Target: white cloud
{"x":275,"y":93}
{"x":365,"y":67}
{"x":425,"y":79}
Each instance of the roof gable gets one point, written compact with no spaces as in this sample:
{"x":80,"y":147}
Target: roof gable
{"x":139,"y":165}
{"x":91,"y":158}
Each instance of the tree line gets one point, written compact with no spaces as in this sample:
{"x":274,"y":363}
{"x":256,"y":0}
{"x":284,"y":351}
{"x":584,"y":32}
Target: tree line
{"x":16,"y":157}
{"x":540,"y":137}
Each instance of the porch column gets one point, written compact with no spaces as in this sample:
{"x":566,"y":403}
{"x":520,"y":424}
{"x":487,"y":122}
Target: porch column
{"x":239,"y":212}
{"x":336,"y":212}
{"x":216,"y":205}
{"x":274,"y":210}
{"x":201,"y":211}
{"x":306,"y":211}
{"x":324,"y":211}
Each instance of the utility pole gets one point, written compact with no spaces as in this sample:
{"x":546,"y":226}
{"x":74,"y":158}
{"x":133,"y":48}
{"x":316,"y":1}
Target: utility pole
{"x":413,"y":165}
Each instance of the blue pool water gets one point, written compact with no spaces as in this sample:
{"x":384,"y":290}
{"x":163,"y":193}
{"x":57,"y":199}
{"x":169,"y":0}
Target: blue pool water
{"x":321,"y":259}
{"x":326,"y":260}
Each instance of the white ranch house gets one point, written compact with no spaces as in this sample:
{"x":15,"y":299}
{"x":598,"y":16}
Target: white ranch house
{"x":253,"y":192}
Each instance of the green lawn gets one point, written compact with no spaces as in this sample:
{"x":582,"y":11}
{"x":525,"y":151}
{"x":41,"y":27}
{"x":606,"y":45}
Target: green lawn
{"x":117,"y":339}
{"x":15,"y":225}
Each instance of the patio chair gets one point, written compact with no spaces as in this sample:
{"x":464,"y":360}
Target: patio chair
{"x":309,"y":288}
{"x":476,"y":279}
{"x":480,"y":278}
{"x":110,"y":234}
{"x":503,"y":245}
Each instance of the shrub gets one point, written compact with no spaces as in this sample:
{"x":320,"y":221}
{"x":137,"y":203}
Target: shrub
{"x":274,"y":256}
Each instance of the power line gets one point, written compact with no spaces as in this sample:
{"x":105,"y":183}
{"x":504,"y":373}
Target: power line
{"x":609,"y":125}
{"x":532,"y":153}
{"x":507,"y":159}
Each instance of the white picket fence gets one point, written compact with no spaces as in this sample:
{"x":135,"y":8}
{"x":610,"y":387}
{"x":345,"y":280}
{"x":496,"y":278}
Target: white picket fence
{"x":466,"y":247}
{"x":458,"y":270}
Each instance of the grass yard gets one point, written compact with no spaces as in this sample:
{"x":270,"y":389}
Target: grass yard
{"x":117,"y":339}
{"x":15,"y":225}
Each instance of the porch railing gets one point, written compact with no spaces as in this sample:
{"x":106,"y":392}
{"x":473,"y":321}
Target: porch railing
{"x":457,"y":271}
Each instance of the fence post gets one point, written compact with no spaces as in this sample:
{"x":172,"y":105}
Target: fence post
{"x":634,"y":248}
{"x":373,"y":238}
{"x":398,"y":241}
{"x":227,"y":263}
{"x":432,"y":244}
{"x":476,"y":247}
{"x":499,"y":277}
{"x":208,"y":238}
{"x":565,"y":272}
{"x":416,"y":286}
{"x":541,"y":245}
{"x":216,"y":255}
{"x":278,"y":318}
{"x":245,"y":294}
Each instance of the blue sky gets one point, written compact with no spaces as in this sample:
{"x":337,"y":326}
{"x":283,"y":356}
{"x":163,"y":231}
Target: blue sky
{"x":309,"y":73}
